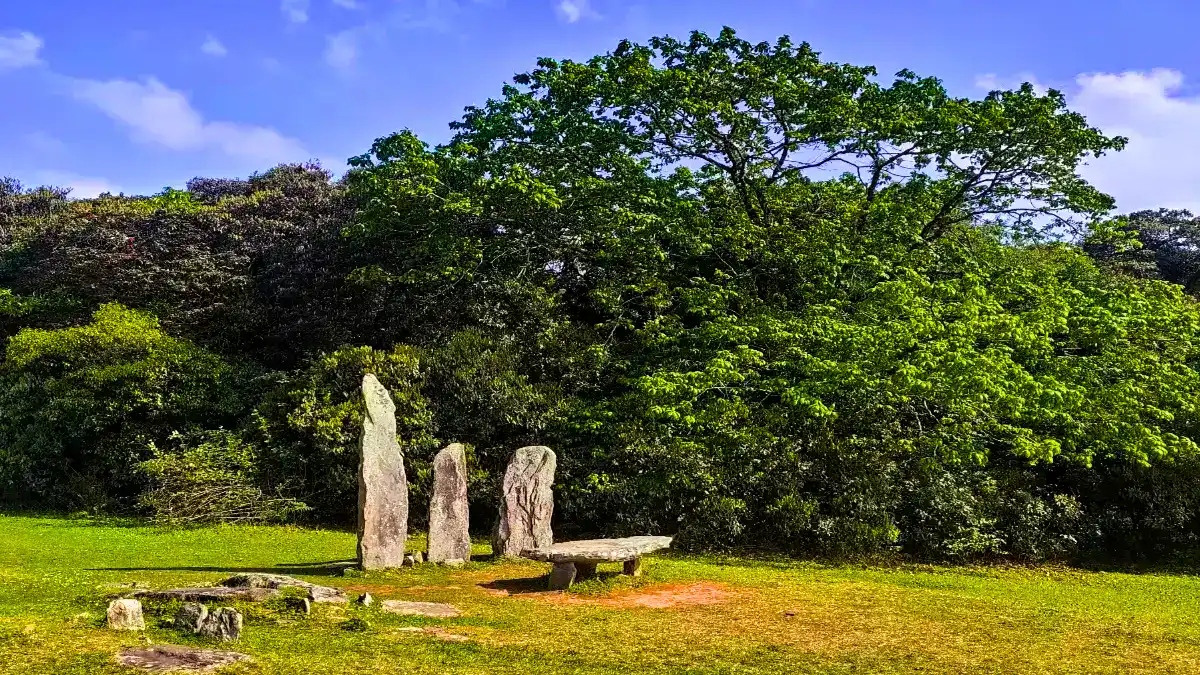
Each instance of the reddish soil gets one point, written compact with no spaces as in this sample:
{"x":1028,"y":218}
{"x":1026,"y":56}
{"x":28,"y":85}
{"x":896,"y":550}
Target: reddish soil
{"x":656,"y":597}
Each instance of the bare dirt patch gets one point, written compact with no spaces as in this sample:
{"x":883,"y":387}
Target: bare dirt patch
{"x":654,"y":597}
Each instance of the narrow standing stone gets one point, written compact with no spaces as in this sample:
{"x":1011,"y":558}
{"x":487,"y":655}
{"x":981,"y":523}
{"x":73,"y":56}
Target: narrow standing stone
{"x":526,"y":503}
{"x":562,"y":576}
{"x":126,"y":614}
{"x":190,"y":617}
{"x":449,"y":539}
{"x":382,"y":485}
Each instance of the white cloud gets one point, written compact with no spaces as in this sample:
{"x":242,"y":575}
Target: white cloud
{"x":574,"y":10}
{"x":213,"y":47}
{"x":341,"y":49}
{"x":19,"y":50}
{"x":157,"y":114}
{"x":1160,"y":165}
{"x":992,"y":82}
{"x":295,"y":11}
{"x":347,"y":4}
{"x":82,"y":187}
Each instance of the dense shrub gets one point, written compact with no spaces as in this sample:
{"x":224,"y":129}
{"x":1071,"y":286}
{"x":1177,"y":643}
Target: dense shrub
{"x":80,"y":407}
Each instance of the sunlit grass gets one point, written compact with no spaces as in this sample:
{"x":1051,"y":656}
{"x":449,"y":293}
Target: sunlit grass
{"x":740,"y":616}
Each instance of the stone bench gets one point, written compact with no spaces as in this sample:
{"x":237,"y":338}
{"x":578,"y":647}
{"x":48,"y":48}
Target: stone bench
{"x":578,"y":559}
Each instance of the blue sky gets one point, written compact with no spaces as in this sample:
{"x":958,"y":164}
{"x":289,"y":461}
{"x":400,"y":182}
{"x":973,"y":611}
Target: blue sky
{"x":134,"y":95}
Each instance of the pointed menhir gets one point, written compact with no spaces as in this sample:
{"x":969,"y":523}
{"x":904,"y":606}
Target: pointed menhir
{"x":526,"y":503}
{"x":382,"y":485}
{"x":449,"y":520}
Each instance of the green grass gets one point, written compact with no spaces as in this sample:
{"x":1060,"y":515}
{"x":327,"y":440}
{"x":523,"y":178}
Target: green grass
{"x":772,"y":617}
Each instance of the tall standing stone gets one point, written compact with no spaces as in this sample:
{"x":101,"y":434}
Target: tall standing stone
{"x":526,"y":502}
{"x":382,"y":485}
{"x":449,"y":539}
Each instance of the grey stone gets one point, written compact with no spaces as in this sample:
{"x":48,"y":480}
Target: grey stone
{"x":224,"y":624}
{"x":562,"y":576}
{"x":633,"y":567}
{"x":526,"y":503}
{"x":173,"y":659}
{"x":365,"y":600}
{"x":449,"y":518}
{"x":418,"y":557}
{"x":316,"y":593}
{"x":209,"y":594}
{"x":592,"y":551}
{"x":190,"y":617}
{"x":302,"y":605}
{"x":125,"y":614}
{"x":382,"y":485}
{"x":437,"y":610}
{"x":409,"y":560}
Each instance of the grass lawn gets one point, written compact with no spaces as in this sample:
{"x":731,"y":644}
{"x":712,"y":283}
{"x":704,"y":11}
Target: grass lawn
{"x":687,"y":615}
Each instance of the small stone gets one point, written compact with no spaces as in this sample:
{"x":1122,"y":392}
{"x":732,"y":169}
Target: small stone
{"x":449,"y":518}
{"x":365,"y":600}
{"x":224,"y":624}
{"x":436,"y":610}
{"x":526,"y":503}
{"x":418,"y":557}
{"x":126,"y":614}
{"x":190,"y":617}
{"x":302,"y":605}
{"x":409,"y":560}
{"x":789,"y":612}
{"x":382,"y":485}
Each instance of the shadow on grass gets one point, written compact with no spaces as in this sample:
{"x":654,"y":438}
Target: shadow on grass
{"x":519,"y":586}
{"x":331,"y":568}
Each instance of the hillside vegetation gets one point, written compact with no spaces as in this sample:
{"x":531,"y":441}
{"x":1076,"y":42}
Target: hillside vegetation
{"x":751,"y":297}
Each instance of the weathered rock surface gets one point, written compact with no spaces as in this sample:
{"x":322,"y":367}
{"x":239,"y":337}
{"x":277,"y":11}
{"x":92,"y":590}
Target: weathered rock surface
{"x":173,"y":658}
{"x":190,"y":617}
{"x":209,"y":594}
{"x":125,"y":614}
{"x":382,"y":485}
{"x":593,"y":551}
{"x":316,"y":593}
{"x":437,"y":610}
{"x":224,"y":624}
{"x":449,"y":518}
{"x":526,"y":502}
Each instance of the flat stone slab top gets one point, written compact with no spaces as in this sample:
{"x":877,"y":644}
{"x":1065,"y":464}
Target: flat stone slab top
{"x":592,"y":551}
{"x":436,"y":610}
{"x":316,"y":593}
{"x":208,"y":594}
{"x":176,"y":659}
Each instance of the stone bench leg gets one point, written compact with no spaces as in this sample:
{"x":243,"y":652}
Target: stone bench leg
{"x":562,"y":576}
{"x":633,"y":567}
{"x":585,"y":571}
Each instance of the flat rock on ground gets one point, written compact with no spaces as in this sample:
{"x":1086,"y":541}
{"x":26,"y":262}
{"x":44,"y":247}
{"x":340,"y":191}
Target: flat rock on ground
{"x":176,"y":659}
{"x":316,"y":593}
{"x":209,"y":594}
{"x":436,"y":610}
{"x":597,"y":550}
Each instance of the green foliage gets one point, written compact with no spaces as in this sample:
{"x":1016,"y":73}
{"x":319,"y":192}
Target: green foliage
{"x":209,"y":477}
{"x":309,"y":427}
{"x":80,"y":407}
{"x":746,"y":294}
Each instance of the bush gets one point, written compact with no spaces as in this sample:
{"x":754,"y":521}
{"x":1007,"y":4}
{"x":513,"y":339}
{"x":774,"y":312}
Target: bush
{"x":210,"y":477}
{"x":81,"y":407}
{"x":309,"y":425}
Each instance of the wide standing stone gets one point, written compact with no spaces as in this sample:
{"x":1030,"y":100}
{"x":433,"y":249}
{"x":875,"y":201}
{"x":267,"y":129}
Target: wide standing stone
{"x":526,"y":502}
{"x":382,"y":485}
{"x":224,"y":624}
{"x":449,"y":538}
{"x":125,"y":614}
